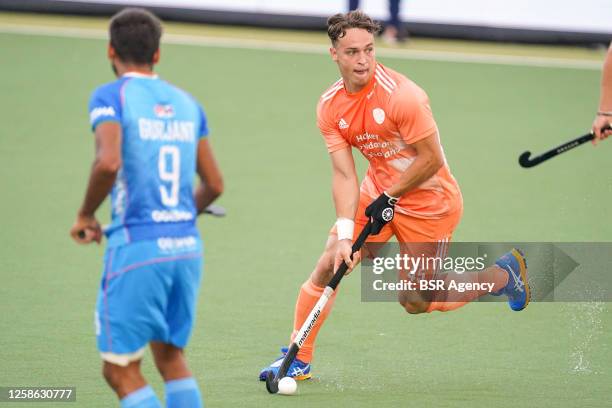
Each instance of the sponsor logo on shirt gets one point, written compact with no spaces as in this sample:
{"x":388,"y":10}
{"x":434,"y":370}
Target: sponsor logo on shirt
{"x":173,"y":244}
{"x":101,"y":111}
{"x":342,"y":124}
{"x":163,"y":111}
{"x":379,"y":115}
{"x":171,"y":216}
{"x":372,"y":146}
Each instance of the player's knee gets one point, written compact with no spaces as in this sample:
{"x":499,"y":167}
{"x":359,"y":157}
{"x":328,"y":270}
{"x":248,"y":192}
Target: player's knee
{"x":113,"y":375}
{"x":121,"y":378}
{"x":324,"y":268}
{"x":415,"y":307}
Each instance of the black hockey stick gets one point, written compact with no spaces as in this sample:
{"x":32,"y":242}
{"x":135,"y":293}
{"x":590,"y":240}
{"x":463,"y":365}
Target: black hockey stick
{"x":526,"y":162}
{"x":299,"y":339}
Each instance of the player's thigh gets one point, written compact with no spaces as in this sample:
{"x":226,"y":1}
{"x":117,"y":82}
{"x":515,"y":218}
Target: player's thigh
{"x":182,"y":299}
{"x":411,"y":229}
{"x":426,"y":240}
{"x":132,"y":300}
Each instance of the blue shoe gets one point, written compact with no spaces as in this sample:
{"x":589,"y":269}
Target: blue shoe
{"x":517,"y":289}
{"x":299,"y":370}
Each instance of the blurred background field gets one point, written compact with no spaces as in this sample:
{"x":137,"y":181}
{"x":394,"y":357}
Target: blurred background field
{"x":259,"y":88}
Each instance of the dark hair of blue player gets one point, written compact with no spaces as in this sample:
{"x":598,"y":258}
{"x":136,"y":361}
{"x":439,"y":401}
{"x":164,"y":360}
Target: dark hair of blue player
{"x":135,"y":35}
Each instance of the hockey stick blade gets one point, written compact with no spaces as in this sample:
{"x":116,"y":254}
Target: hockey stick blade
{"x":526,"y":161}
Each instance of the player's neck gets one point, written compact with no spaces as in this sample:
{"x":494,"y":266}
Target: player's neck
{"x":353,"y":88}
{"x":134,"y":69}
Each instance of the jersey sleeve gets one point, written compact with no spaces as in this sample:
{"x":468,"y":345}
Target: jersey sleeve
{"x":412,"y":114}
{"x":203,"y":128}
{"x":105,"y":105}
{"x":329,"y":130}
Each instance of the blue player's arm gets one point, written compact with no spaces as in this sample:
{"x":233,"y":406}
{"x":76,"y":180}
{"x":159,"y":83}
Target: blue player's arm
{"x":101,"y":179}
{"x":211,"y":185}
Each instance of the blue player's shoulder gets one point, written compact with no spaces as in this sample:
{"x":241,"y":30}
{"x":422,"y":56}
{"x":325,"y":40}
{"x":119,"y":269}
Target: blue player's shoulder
{"x":109,"y":88}
{"x":105,"y":102}
{"x":182,"y":92}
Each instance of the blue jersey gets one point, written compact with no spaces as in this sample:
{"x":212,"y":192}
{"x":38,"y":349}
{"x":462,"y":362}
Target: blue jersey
{"x":161,"y":126}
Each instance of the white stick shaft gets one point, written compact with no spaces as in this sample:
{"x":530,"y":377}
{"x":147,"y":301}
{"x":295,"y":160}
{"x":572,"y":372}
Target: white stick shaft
{"x":312,"y":318}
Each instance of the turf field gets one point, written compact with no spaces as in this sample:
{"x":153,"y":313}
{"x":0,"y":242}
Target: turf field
{"x":260,"y":104}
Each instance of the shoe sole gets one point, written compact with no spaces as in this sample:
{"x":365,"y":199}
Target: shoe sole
{"x":523,"y":267}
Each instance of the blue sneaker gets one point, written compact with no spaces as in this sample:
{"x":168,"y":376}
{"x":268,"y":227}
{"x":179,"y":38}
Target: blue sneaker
{"x":517,"y":289}
{"x":299,"y":370}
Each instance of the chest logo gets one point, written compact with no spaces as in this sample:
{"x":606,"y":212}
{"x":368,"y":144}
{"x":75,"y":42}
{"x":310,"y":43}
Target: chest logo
{"x":379,"y":115}
{"x":342,"y":124}
{"x":163,"y":111}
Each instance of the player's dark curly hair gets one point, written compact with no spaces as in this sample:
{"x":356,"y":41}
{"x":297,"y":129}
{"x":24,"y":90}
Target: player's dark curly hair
{"x":135,"y":35}
{"x":339,"y":23}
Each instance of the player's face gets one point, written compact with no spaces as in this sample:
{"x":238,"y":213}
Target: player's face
{"x":354,"y":54}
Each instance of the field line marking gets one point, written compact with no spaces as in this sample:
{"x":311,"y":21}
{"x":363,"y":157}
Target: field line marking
{"x":310,"y":48}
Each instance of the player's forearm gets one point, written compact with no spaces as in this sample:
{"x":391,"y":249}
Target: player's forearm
{"x":100,"y":184}
{"x":204,"y":196}
{"x":421,"y":170}
{"x":605,"y":102}
{"x":345,"y":190}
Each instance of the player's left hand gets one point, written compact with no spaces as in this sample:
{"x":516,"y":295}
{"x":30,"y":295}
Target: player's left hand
{"x":601,"y":122}
{"x":380,"y":212}
{"x":344,"y":249}
{"x":86,"y":229}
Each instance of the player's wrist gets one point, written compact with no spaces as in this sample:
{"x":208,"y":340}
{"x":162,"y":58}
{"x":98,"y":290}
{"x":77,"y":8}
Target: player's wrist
{"x":392,"y":199}
{"x":607,"y":113}
{"x":82,"y":213}
{"x":345,"y":228}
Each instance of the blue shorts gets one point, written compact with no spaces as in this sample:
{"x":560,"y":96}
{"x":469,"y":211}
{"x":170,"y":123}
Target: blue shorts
{"x":148,"y":293}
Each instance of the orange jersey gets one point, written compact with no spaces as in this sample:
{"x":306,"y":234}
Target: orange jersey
{"x":383,"y":120}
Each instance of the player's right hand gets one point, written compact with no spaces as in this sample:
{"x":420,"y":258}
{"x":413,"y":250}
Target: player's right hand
{"x":86,"y":229}
{"x":344,"y":250}
{"x":380,"y":212}
{"x":602,"y":128}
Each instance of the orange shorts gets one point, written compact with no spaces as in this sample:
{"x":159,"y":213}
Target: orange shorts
{"x":407,"y":228}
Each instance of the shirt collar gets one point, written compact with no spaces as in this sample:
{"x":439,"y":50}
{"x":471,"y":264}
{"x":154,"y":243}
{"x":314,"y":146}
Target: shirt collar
{"x":140,"y":75}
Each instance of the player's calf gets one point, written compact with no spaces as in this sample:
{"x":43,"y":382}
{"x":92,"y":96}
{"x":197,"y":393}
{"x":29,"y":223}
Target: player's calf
{"x":181,"y":388}
{"x":415,"y":307}
{"x":123,"y":380}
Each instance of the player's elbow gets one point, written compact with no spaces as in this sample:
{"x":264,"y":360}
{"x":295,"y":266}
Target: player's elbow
{"x":433,"y":162}
{"x":215,"y":187}
{"x":108,"y":165}
{"x":437,"y":162}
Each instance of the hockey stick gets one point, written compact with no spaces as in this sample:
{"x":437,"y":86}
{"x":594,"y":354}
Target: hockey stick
{"x":299,"y":339}
{"x":213,"y":209}
{"x":526,"y":162}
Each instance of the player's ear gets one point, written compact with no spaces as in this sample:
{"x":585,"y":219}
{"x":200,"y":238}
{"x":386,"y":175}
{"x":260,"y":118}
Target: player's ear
{"x":334,"y":53}
{"x":111,"y":52}
{"x":156,"y":57}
